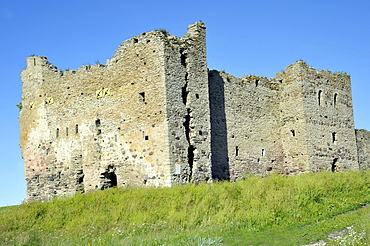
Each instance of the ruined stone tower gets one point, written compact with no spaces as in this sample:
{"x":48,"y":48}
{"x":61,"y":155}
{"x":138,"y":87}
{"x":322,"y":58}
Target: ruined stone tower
{"x":155,"y":116}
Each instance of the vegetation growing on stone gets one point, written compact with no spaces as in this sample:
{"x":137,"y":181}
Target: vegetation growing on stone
{"x":164,"y":31}
{"x":19,"y":105}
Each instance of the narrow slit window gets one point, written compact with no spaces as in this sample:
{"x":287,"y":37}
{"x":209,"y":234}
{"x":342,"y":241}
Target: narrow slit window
{"x":76,"y":129}
{"x":334,"y":137}
{"x":263,"y":152}
{"x":66,"y":131}
{"x":236,"y":151}
{"x":319,"y":97}
{"x":335,"y":100}
{"x":292,"y":132}
{"x":57,"y":134}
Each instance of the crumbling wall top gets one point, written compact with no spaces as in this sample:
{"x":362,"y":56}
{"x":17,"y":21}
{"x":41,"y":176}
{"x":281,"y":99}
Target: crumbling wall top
{"x":39,"y":62}
{"x":301,"y":71}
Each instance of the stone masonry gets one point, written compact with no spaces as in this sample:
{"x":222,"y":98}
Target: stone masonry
{"x":155,"y":116}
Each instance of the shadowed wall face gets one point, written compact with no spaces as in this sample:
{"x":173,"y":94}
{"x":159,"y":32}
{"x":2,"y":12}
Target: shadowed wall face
{"x":219,"y":145}
{"x":245,"y":126}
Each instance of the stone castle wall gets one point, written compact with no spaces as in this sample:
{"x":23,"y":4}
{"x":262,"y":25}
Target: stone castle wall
{"x":188,"y":106}
{"x":99,"y":126}
{"x":363,"y":145}
{"x":320,"y":120}
{"x":245,"y":125}
{"x":301,"y":121}
{"x":155,"y":116}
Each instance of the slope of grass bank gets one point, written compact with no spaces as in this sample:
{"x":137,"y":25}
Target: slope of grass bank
{"x":276,"y":210}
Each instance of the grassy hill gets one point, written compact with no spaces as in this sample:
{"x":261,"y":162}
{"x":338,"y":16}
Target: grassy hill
{"x":275,"y":210}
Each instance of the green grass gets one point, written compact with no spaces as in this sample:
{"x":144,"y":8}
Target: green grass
{"x":275,"y":210}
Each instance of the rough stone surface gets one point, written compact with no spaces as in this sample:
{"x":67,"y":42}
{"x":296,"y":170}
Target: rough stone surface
{"x":155,"y":116}
{"x":363,"y":145}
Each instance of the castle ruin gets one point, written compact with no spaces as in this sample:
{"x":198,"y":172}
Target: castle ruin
{"x":154,"y":115}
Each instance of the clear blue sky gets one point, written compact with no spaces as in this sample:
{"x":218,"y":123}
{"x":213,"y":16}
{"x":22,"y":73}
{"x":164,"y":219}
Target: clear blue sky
{"x":259,"y":37}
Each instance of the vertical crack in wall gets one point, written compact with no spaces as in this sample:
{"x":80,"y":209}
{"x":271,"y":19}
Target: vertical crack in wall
{"x":191,"y":148}
{"x":184,"y":90}
{"x":187,"y":118}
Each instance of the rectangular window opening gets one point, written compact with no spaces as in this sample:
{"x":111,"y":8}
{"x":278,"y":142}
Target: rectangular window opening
{"x":146,"y":137}
{"x":177,"y":169}
{"x":76,"y":128}
{"x":236,"y":151}
{"x":57,"y":134}
{"x":66,"y":131}
{"x":263,"y":152}
{"x":292,"y":132}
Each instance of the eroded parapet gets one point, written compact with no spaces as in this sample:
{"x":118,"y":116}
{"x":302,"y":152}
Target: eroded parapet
{"x":40,"y":62}
{"x":300,"y":71}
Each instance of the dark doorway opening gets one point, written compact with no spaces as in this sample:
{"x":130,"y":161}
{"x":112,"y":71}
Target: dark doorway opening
{"x":334,"y":165}
{"x":109,"y":178}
